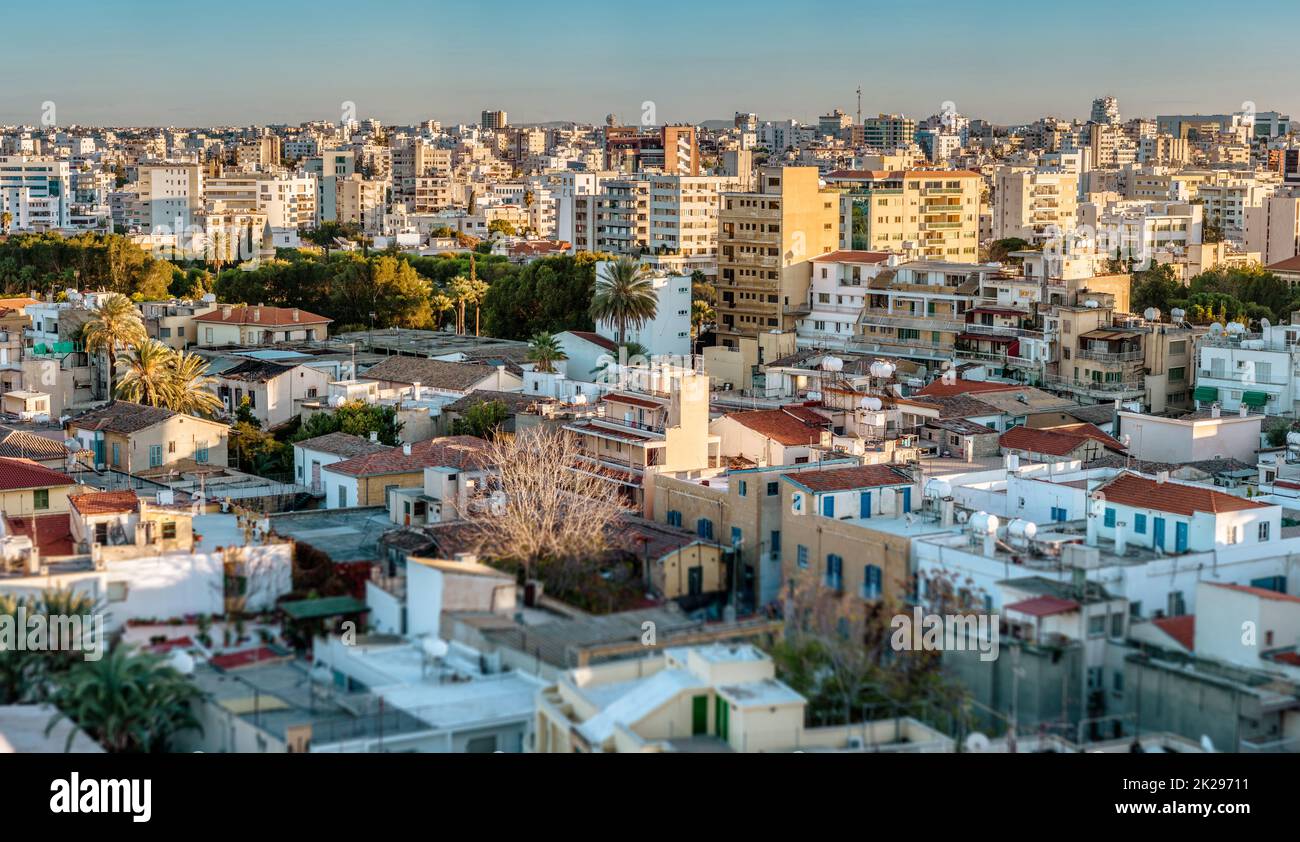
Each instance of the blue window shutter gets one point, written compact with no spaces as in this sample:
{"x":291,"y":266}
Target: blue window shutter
{"x":864,"y":510}
{"x":1110,"y":517}
{"x":1140,"y":524}
{"x":1180,"y":537}
{"x":776,"y":541}
{"x":742,"y":488}
{"x":828,"y":505}
{"x":907,"y":500}
{"x":802,"y":555}
{"x":736,"y":535}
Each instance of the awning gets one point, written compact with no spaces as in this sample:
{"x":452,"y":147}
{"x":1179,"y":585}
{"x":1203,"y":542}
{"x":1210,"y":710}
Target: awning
{"x":1255,"y":399}
{"x":1206,"y":394}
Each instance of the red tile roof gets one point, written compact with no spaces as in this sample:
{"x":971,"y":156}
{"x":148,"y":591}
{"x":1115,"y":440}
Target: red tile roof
{"x":18,"y":474}
{"x":273,"y":316}
{"x":1043,"y":606}
{"x":1291,"y":264}
{"x":777,"y":425}
{"x":847,"y":479}
{"x":1182,"y":629}
{"x":964,"y":387}
{"x":1130,"y":489}
{"x":105,"y":502}
{"x":807,"y":414}
{"x":246,"y":658}
{"x":1262,"y":593}
{"x":596,"y":339}
{"x":466,"y":453}
{"x":52,"y":534}
{"x":1055,"y":441}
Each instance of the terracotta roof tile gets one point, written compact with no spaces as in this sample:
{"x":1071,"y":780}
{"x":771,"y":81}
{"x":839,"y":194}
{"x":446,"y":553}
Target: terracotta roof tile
{"x":1131,"y":489}
{"x":1262,"y":593}
{"x":777,"y":425}
{"x":20,"y":444}
{"x":1043,"y":606}
{"x":965,"y":387}
{"x":849,"y":478}
{"x":1182,"y":629}
{"x":435,"y":374}
{"x":270,"y":316}
{"x":105,"y":502}
{"x":19,"y":474}
{"x":342,"y":444}
{"x":1055,"y":441}
{"x":465,"y":453}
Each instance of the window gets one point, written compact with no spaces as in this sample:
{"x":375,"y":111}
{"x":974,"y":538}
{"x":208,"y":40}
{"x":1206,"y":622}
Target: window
{"x":1097,"y":625}
{"x":117,"y":455}
{"x":1110,"y":518}
{"x":801,"y":556}
{"x":201,"y":455}
{"x":343,"y":497}
{"x":1140,"y":524}
{"x":674,"y":518}
{"x":155,"y":455}
{"x":736,"y":536}
{"x":776,"y":543}
{"x":117,"y":591}
{"x":704,"y":528}
{"x":169,"y":530}
{"x":1176,"y":374}
{"x":773,"y":489}
{"x":41,"y":498}
{"x":743,"y":488}
{"x":834,"y":571}
{"x":871,"y":577}
{"x":1117,"y":624}
{"x":1263,"y":531}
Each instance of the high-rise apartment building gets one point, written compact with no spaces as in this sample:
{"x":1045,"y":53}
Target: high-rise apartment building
{"x":493,"y":120}
{"x":766,"y":240}
{"x":1033,"y":203}
{"x":35,"y":192}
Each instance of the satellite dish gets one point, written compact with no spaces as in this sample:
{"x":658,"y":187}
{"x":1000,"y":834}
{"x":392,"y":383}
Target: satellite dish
{"x":1216,"y":329}
{"x":1236,"y":328}
{"x":579,"y":400}
{"x":1178,"y":314}
{"x":436,"y":647}
{"x":976,"y":743}
{"x":1151,"y":314}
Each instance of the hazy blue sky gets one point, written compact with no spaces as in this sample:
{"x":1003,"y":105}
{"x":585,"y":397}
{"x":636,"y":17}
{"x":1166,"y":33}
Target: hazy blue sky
{"x":241,"y":62}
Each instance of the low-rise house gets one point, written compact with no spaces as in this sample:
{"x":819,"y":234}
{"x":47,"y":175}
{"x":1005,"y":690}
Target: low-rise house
{"x":1067,"y":443}
{"x":787,"y":436}
{"x":122,"y":525}
{"x":33,"y":511}
{"x":239,"y":324}
{"x":172,"y":322}
{"x":131,"y":437}
{"x":275,"y":392}
{"x":311,"y":455}
{"x":20,"y":444}
{"x":716,"y":697}
{"x":366,"y":480}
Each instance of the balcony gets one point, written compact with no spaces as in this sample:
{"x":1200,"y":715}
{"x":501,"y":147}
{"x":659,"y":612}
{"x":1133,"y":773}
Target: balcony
{"x":1122,"y":389}
{"x":1109,"y":357}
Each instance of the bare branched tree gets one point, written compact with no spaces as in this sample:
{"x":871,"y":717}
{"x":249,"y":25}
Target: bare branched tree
{"x":552,"y":505}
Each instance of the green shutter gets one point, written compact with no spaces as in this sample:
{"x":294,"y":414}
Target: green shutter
{"x":1206,"y":394}
{"x":1255,"y":399}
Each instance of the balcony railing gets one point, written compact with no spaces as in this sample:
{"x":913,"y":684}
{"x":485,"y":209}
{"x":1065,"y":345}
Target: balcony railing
{"x":1108,"y":356}
{"x":1133,"y":387}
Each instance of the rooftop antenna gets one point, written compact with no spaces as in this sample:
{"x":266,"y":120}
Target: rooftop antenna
{"x":859,"y":105}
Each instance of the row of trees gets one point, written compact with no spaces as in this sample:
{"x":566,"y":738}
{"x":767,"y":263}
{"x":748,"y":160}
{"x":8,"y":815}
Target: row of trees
{"x":51,"y":263}
{"x":1217,"y":295}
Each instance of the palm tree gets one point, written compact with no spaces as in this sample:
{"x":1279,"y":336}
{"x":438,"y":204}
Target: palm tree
{"x":625,"y":295}
{"x":126,"y":702}
{"x":115,"y":324}
{"x":192,"y":390}
{"x":149,"y":374}
{"x":544,"y":351}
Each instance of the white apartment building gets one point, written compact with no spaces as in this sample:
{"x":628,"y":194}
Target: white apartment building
{"x":837,"y":294}
{"x":669,"y":332}
{"x":167,"y":196}
{"x":1257,"y":370}
{"x":328,"y":168}
{"x":1141,"y":230}
{"x":1225,"y":203}
{"x":684,"y":216}
{"x":1032,"y":203}
{"x":36,"y":192}
{"x":1273,"y":228}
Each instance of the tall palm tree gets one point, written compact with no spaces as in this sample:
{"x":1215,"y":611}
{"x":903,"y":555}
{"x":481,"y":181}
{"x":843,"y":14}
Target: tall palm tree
{"x":126,"y":701}
{"x":625,"y":295}
{"x":544,"y":352}
{"x":115,"y":324}
{"x":192,"y":390}
{"x":149,"y":374}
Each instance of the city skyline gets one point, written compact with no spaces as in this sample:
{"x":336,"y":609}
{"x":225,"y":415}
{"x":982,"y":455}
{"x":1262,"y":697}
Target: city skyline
{"x":539,"y":66}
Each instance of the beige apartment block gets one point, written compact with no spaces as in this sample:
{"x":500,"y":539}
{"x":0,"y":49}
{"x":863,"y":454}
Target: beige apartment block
{"x":1032,"y":204}
{"x":766,"y":241}
{"x":927,"y":214}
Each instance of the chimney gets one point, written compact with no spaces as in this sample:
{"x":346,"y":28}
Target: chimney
{"x":257,"y":314}
{"x":295,"y":314}
{"x":225,"y":311}
{"x":1162,"y":477}
{"x":1121,"y":540}
{"x":406,"y":449}
{"x":415,"y":390}
{"x":1094,"y":514}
